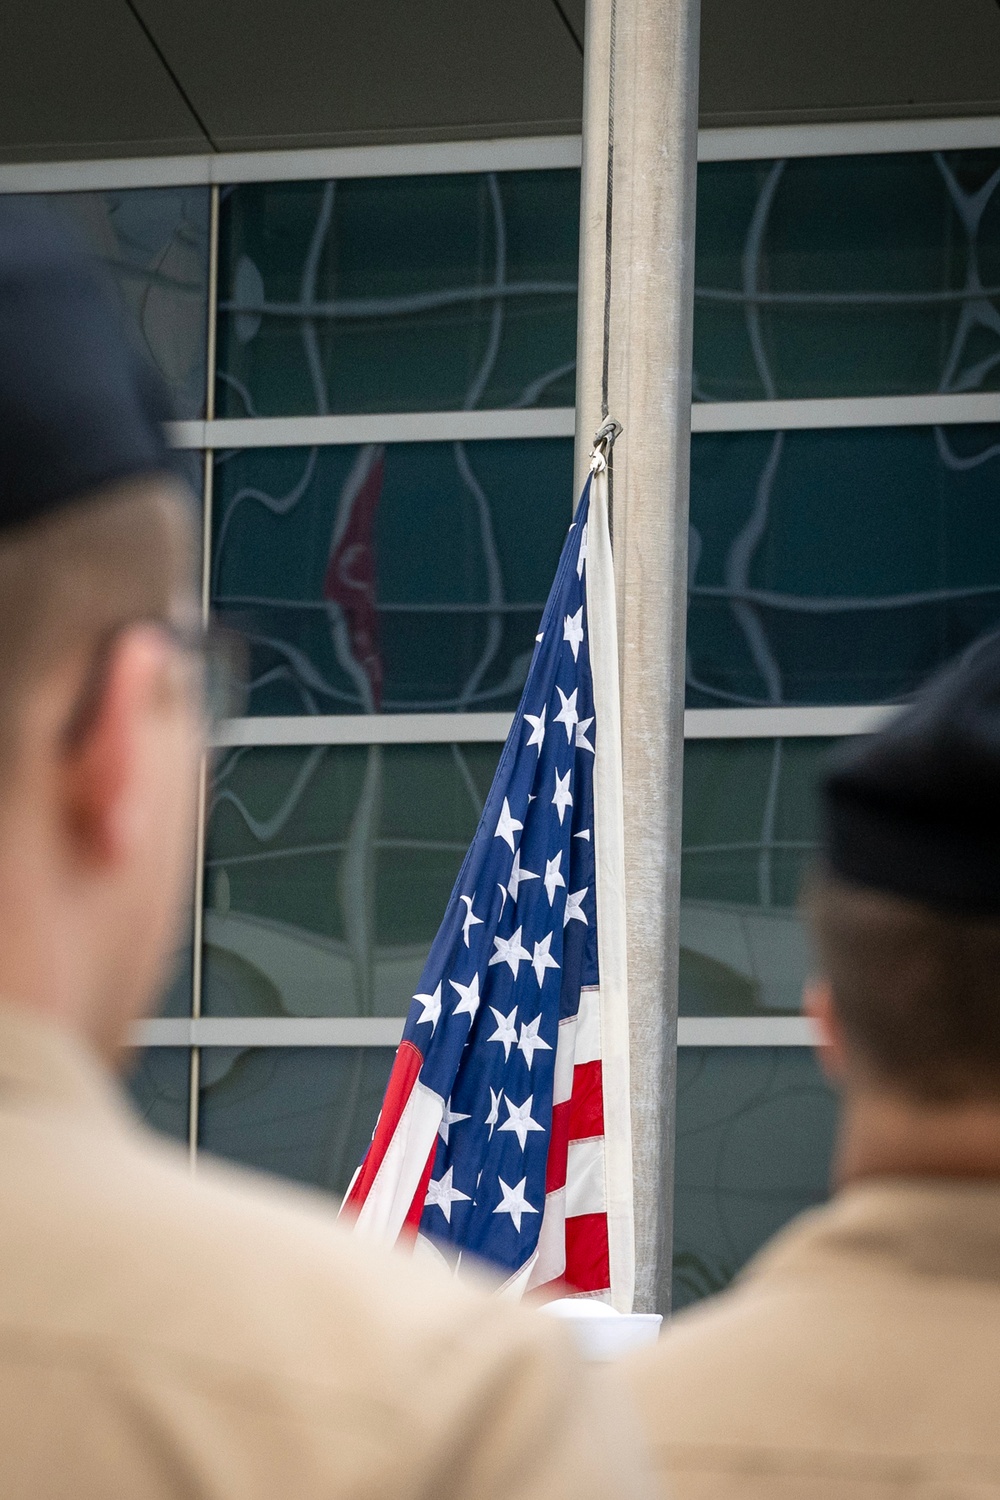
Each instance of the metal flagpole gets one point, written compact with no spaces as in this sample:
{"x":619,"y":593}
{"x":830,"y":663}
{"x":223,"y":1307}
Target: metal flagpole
{"x":634,"y":362}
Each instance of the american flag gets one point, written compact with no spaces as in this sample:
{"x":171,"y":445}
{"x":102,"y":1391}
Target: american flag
{"x":505,"y":1130}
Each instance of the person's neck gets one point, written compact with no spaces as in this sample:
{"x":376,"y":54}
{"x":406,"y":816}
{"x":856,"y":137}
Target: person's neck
{"x":889,"y":1135}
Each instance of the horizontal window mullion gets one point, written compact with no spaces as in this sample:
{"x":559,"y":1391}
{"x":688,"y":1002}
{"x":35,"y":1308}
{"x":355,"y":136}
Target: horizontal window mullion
{"x":270,"y":1031}
{"x":382,"y":427}
{"x":845,"y":411}
{"x":846,"y":138}
{"x":745,"y":1031}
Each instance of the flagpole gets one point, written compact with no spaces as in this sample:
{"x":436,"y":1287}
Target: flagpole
{"x":634,"y":362}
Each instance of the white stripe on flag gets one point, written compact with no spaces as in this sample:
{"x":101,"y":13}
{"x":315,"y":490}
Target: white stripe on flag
{"x":566,"y":1059}
{"x":551,"y":1254}
{"x":585,"y":1189}
{"x":588,"y":1026}
{"x":384,"y":1211}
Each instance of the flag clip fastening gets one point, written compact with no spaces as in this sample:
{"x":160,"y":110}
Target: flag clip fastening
{"x":604,"y":441}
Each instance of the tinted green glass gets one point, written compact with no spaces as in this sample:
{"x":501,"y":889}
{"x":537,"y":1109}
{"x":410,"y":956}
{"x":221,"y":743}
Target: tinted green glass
{"x":857,"y":275}
{"x":398,"y":294}
{"x":154,"y":241}
{"x":748,"y":836}
{"x":160,"y":1084}
{"x":404,"y":577}
{"x":754,"y":1139}
{"x":302,"y":1112}
{"x":328,"y":871}
{"x":838,"y":566}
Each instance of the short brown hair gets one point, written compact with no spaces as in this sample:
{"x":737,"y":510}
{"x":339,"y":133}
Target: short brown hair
{"x":68,"y":578}
{"x":916,"y":988}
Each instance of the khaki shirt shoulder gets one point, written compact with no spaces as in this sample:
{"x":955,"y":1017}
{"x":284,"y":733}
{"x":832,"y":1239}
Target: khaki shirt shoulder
{"x":168,"y":1335}
{"x":856,"y":1357}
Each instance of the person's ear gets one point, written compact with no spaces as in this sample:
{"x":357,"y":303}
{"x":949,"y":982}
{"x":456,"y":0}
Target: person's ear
{"x":106,"y":768}
{"x":819,"y":1005}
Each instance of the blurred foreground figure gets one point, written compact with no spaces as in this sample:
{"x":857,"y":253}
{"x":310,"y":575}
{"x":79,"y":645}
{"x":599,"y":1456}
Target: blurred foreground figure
{"x":858,"y":1355}
{"x":162,"y":1334}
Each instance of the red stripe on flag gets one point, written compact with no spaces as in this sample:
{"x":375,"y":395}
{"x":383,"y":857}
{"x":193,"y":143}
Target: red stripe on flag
{"x":586,"y":1105}
{"x":588,"y":1264}
{"x":555,"y":1167}
{"x":405,"y":1070}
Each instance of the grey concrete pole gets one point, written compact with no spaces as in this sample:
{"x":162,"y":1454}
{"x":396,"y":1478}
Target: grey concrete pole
{"x":634,"y":361}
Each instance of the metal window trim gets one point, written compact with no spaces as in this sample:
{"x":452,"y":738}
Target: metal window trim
{"x":386,"y":1031}
{"x":382,"y":427}
{"x":431,"y":158}
{"x":847,"y":138}
{"x":493,"y":728}
{"x":845,"y":411}
{"x":558,"y":421}
{"x":500,"y":154}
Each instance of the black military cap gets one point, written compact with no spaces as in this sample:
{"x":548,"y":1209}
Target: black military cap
{"x":915,"y":808}
{"x":80,"y":407}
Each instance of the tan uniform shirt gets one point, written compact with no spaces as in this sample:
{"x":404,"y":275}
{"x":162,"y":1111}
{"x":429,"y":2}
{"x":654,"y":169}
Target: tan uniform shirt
{"x":858,"y":1356}
{"x":165,"y":1335}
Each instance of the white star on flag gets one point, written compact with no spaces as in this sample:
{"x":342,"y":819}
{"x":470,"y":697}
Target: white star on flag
{"x":494,"y":1114}
{"x":543,"y":959}
{"x":448,"y":1119}
{"x":431,"y":1007}
{"x":562,"y":797}
{"x":514,"y":1202}
{"x":574,"y":907}
{"x":573,"y":631}
{"x":553,"y":878}
{"x":567,"y":716}
{"x":517,"y":875}
{"x":508,"y":826}
{"x":441,"y":1194}
{"x":506,"y":1032}
{"x":582,"y":558}
{"x":469,"y":1003}
{"x":470,"y":920}
{"x":531,"y":1042}
{"x":509,"y":951}
{"x":519,"y":1120}
{"x":582,"y":742}
{"x":537,"y":735}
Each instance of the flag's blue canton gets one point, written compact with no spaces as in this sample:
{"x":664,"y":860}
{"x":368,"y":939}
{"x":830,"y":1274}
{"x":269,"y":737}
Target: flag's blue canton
{"x":518,"y":941}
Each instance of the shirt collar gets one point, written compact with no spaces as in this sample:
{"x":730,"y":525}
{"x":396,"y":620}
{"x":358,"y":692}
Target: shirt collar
{"x":921,"y":1226}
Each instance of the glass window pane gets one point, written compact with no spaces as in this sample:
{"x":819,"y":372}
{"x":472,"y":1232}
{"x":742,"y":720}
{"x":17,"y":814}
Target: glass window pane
{"x":154,"y":241}
{"x":301,"y":1112}
{"x":749,"y":833}
{"x":838,"y":566}
{"x":328,"y":871}
{"x":857,"y":275}
{"x":408,"y":577}
{"x":398,"y":294}
{"x":754,"y":1139}
{"x":160,"y":1085}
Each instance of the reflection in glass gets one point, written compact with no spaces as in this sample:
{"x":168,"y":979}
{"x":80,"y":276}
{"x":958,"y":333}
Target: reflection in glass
{"x":160,"y":1083}
{"x":407,"y":577}
{"x":856,"y":275}
{"x":398,"y":294}
{"x":838,"y":566}
{"x":754,"y":1139}
{"x":328,"y":870}
{"x":749,"y":833}
{"x":154,"y":241}
{"x":302,"y":1112}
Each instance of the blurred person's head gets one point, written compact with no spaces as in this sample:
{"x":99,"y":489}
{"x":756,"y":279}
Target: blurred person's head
{"x":904,"y":909}
{"x":100,"y":677}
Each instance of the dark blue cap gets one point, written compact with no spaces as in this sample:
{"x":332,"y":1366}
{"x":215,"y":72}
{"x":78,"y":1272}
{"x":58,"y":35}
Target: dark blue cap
{"x":915,"y":809}
{"x":80,"y":406}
